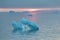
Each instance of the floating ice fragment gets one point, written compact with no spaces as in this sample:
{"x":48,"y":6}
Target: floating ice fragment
{"x":30,"y":15}
{"x":25,"y":26}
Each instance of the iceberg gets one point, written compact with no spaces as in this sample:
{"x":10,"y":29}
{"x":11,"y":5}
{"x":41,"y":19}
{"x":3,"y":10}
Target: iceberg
{"x":16,"y":26}
{"x":25,"y":25}
{"x":30,"y":24}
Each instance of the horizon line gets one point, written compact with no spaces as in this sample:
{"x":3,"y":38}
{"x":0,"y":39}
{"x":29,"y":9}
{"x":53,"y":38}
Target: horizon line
{"x":27,"y":9}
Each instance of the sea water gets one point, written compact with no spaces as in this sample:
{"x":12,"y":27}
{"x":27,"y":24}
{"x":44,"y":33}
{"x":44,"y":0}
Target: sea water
{"x":48,"y":23}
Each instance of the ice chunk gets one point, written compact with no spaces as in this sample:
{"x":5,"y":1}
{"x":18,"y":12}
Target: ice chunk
{"x":25,"y":26}
{"x":24,"y":21}
{"x":16,"y":26}
{"x":30,"y":24}
{"x":30,"y":15}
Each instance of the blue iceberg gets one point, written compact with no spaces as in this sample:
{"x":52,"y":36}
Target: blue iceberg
{"x":30,"y":24}
{"x":25,"y":25}
{"x":16,"y":26}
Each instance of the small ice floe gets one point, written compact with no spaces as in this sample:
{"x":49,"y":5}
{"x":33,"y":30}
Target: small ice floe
{"x":11,"y":11}
{"x":24,"y":26}
{"x":30,"y":15}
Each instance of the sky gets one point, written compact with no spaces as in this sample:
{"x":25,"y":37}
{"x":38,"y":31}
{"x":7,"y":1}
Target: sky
{"x":29,"y":3}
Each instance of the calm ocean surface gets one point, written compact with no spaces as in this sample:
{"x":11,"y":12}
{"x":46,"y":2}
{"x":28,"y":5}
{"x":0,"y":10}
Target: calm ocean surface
{"x":47,"y":21}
